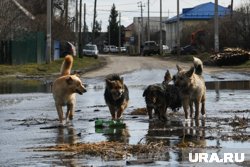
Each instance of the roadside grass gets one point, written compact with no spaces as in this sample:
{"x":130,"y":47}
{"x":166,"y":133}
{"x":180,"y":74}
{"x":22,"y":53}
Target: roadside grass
{"x":47,"y":69}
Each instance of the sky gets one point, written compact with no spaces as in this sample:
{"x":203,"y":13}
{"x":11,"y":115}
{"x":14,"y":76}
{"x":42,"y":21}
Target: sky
{"x":129,"y":9}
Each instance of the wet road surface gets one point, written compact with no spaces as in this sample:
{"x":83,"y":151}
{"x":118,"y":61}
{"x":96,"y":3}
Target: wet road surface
{"x":22,"y":115}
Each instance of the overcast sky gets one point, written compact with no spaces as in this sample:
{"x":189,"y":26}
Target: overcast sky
{"x":130,"y":9}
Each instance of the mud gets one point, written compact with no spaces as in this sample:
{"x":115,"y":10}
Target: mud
{"x":26,"y":115}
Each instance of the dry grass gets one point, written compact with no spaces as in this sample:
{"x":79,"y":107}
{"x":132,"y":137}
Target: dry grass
{"x":107,"y":150}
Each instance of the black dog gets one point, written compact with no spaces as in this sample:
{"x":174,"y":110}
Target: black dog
{"x":159,"y":97}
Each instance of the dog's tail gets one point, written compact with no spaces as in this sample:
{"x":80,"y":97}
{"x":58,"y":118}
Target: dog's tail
{"x":66,"y":65}
{"x":198,"y":66}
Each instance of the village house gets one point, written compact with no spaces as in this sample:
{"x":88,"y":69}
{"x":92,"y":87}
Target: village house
{"x":191,"y":16}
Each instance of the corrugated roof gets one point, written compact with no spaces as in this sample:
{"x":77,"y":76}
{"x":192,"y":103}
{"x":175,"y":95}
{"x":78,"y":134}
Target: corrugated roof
{"x":201,"y":12}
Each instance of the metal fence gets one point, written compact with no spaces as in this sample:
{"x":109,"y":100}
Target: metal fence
{"x":27,"y":48}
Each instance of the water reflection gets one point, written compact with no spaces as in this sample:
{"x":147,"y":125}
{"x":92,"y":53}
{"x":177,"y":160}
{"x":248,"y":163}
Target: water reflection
{"x":66,"y":135}
{"x":115,"y":134}
{"x":232,"y":85}
{"x":176,"y":133}
{"x":23,"y":86}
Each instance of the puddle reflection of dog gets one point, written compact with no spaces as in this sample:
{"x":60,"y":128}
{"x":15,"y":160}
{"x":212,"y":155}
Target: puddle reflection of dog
{"x":192,"y":88}
{"x":116,"y":95}
{"x":64,"y":89}
{"x":160,"y":96}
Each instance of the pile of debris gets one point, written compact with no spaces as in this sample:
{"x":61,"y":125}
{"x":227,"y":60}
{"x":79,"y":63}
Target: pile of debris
{"x":108,"y":150}
{"x":230,"y":56}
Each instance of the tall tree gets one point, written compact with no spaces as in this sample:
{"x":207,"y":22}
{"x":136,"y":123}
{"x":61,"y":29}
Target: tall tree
{"x":113,"y":26}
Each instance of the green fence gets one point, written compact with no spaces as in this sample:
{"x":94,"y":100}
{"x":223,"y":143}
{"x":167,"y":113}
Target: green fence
{"x":27,"y":48}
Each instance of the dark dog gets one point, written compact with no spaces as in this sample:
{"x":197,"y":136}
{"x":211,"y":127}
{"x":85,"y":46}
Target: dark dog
{"x":116,"y":95}
{"x":192,"y":88}
{"x":155,"y":98}
{"x":159,"y":97}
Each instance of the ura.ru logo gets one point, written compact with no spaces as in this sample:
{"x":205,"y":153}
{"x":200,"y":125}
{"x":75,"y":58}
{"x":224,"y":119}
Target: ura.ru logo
{"x":214,"y":157}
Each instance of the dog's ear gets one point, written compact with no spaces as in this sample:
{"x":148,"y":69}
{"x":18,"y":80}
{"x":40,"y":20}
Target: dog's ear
{"x":190,"y":72}
{"x":69,"y":80}
{"x":178,"y":68}
{"x":122,"y":80}
{"x":167,"y":77}
{"x":109,"y":83}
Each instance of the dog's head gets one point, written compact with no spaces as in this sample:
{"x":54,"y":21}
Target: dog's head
{"x":167,"y":77}
{"x":183,"y":78}
{"x":116,"y":87}
{"x":153,"y":94}
{"x":75,"y":84}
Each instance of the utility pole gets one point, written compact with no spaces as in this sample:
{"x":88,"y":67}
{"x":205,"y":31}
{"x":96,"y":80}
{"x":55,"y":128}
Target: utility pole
{"x":139,"y":39}
{"x":161,"y":27}
{"x":66,"y":4}
{"x":178,"y":29}
{"x":109,"y":31}
{"x":232,"y":6}
{"x":49,"y":12}
{"x":216,"y":28}
{"x":119,"y":32}
{"x":142,"y":29}
{"x":80,"y":30}
{"x":93,"y":30}
{"x":84,"y":23}
{"x":76,"y":29}
{"x":148,"y":23}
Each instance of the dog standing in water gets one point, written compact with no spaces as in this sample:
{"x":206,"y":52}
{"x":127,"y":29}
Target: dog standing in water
{"x":192,"y":88}
{"x":64,"y":90}
{"x":116,"y":95}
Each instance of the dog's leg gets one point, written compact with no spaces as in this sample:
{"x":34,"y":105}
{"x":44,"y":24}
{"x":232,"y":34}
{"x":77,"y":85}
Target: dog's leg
{"x":185,"y":103}
{"x":203,"y":111}
{"x":59,"y":112}
{"x":70,"y":111}
{"x":112,"y":111}
{"x":197,"y":108}
{"x":163,"y":110}
{"x":149,"y":110}
{"x":121,"y":109}
{"x":191,"y":109}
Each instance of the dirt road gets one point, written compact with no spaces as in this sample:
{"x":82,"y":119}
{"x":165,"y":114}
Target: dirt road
{"x":124,"y":64}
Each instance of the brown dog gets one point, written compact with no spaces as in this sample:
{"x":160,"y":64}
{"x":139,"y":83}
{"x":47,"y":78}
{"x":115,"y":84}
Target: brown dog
{"x":64,"y":89}
{"x":192,"y":88}
{"x":116,"y":95}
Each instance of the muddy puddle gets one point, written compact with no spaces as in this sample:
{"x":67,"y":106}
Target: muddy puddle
{"x":29,"y":121}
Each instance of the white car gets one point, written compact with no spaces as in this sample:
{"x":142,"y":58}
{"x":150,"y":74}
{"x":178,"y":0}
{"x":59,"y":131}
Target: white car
{"x":111,"y":49}
{"x":90,"y":50}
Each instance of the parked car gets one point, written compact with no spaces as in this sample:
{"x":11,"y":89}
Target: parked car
{"x":165,"y":49}
{"x":90,"y":50}
{"x":110,"y":49}
{"x":113,"y":49}
{"x":123,"y":49}
{"x":106,"y":49}
{"x":150,"y":47}
{"x":189,"y":49}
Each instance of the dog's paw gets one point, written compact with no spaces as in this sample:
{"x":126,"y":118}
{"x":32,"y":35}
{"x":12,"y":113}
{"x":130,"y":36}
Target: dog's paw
{"x":60,"y":125}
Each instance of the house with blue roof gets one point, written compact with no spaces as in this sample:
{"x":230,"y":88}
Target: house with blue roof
{"x":192,"y":16}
